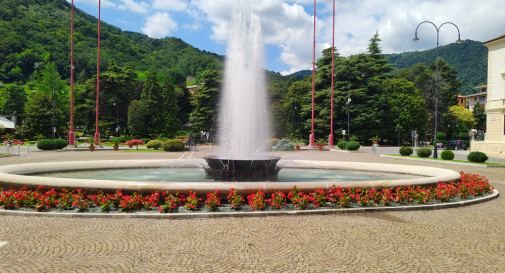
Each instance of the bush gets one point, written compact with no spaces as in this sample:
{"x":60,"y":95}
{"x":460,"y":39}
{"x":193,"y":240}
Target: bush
{"x":284,"y":145}
{"x":477,"y":157}
{"x":423,"y":152}
{"x":353,"y":146}
{"x":60,"y":143}
{"x":342,"y":144}
{"x":46,"y":144}
{"x":447,"y":155}
{"x":51,"y":144}
{"x":406,"y":151}
{"x":173,"y":145}
{"x":154,"y":144}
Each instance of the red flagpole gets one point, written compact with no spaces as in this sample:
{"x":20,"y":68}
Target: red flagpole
{"x":312,"y":136}
{"x":71,"y":134}
{"x":97,"y":129}
{"x":330,"y":138}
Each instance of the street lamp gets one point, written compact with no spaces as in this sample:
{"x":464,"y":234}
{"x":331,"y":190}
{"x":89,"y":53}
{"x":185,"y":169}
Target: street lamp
{"x":348,"y":103}
{"x":117,"y":117}
{"x":416,"y":38}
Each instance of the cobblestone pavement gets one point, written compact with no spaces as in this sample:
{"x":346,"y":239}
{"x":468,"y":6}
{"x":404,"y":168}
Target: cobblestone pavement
{"x":469,"y":239}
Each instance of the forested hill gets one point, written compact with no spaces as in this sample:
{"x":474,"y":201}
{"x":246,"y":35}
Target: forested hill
{"x":469,"y":58}
{"x":33,"y":31}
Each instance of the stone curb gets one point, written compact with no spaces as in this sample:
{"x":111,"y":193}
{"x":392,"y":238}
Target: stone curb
{"x":448,"y":162}
{"x":196,"y":215}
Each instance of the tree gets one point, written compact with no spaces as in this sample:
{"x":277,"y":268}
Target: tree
{"x":137,"y":115}
{"x":13,"y":99}
{"x":461,"y":121}
{"x":118,"y":87}
{"x":424,"y":77}
{"x":169,"y":109}
{"x":47,"y":105}
{"x":205,"y":103}
{"x":407,"y":109}
{"x":479,"y":114}
{"x":294,"y":101}
{"x":152,"y":100}
{"x":38,"y":117}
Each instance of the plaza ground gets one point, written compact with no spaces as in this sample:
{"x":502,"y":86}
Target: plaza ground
{"x":468,"y":239}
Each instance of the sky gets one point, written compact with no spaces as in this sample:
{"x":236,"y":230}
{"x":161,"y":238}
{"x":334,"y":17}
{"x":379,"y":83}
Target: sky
{"x":288,"y":24}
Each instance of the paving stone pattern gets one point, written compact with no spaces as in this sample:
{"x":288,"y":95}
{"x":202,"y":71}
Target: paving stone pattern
{"x":468,"y":239}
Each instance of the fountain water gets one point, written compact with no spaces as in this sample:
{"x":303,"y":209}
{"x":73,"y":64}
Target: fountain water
{"x":244,"y":125}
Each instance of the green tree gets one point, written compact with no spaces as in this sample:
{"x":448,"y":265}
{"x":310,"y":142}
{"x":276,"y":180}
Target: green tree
{"x":137,"y":115}
{"x":424,"y":77}
{"x":203,"y":118}
{"x":46,"y":104}
{"x":12,"y":99}
{"x":38,"y":115}
{"x":294,"y":101}
{"x":407,"y":109}
{"x":169,"y":109}
{"x":463,"y":118}
{"x":152,"y":98}
{"x":479,"y":114}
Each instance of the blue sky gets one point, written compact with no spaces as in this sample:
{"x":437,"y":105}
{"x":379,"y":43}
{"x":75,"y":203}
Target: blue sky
{"x":287,"y":24}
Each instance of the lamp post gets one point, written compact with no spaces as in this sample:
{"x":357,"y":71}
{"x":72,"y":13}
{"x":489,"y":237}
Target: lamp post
{"x":117,"y":117}
{"x":312,"y":136}
{"x":416,"y":38}
{"x":348,"y":104}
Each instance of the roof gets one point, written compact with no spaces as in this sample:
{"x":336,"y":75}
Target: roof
{"x":474,"y":95}
{"x":6,"y":123}
{"x":495,"y":39}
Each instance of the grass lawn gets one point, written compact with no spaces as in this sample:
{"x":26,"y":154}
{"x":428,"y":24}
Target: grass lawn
{"x":489,"y":164}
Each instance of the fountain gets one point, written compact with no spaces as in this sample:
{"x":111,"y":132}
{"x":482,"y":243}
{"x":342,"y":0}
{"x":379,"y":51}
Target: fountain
{"x":244,"y":115}
{"x":244,"y":161}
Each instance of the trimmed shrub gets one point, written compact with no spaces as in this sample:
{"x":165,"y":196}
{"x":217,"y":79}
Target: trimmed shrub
{"x":60,"y":143}
{"x":406,"y":151}
{"x":447,"y":155}
{"x":342,"y":144}
{"x":353,"y":146}
{"x":46,"y":144}
{"x":51,"y":144}
{"x":424,"y":152}
{"x":284,"y":145}
{"x":154,"y":144}
{"x":477,"y":157}
{"x":173,"y":145}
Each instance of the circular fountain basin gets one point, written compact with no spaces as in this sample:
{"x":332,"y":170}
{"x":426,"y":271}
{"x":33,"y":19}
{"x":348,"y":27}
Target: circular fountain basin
{"x":29,"y":175}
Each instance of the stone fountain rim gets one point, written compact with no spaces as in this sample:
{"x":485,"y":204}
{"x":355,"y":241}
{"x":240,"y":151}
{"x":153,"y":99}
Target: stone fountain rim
{"x":17,"y":175}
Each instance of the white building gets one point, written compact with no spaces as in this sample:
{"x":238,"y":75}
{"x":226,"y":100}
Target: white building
{"x":494,"y":142}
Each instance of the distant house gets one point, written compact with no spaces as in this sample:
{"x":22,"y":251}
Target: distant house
{"x":6,"y":123}
{"x":494,"y":141}
{"x":469,"y":101}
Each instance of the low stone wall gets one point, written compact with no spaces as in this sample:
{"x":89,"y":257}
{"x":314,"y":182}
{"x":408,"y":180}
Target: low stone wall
{"x":16,"y":175}
{"x":496,"y":149}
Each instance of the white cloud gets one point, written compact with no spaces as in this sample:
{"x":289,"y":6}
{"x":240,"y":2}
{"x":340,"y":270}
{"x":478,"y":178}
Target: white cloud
{"x":288,"y":24}
{"x":174,"y":5}
{"x":133,"y":6}
{"x":159,"y":25}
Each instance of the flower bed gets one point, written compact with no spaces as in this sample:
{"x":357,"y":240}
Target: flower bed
{"x":40,"y":199}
